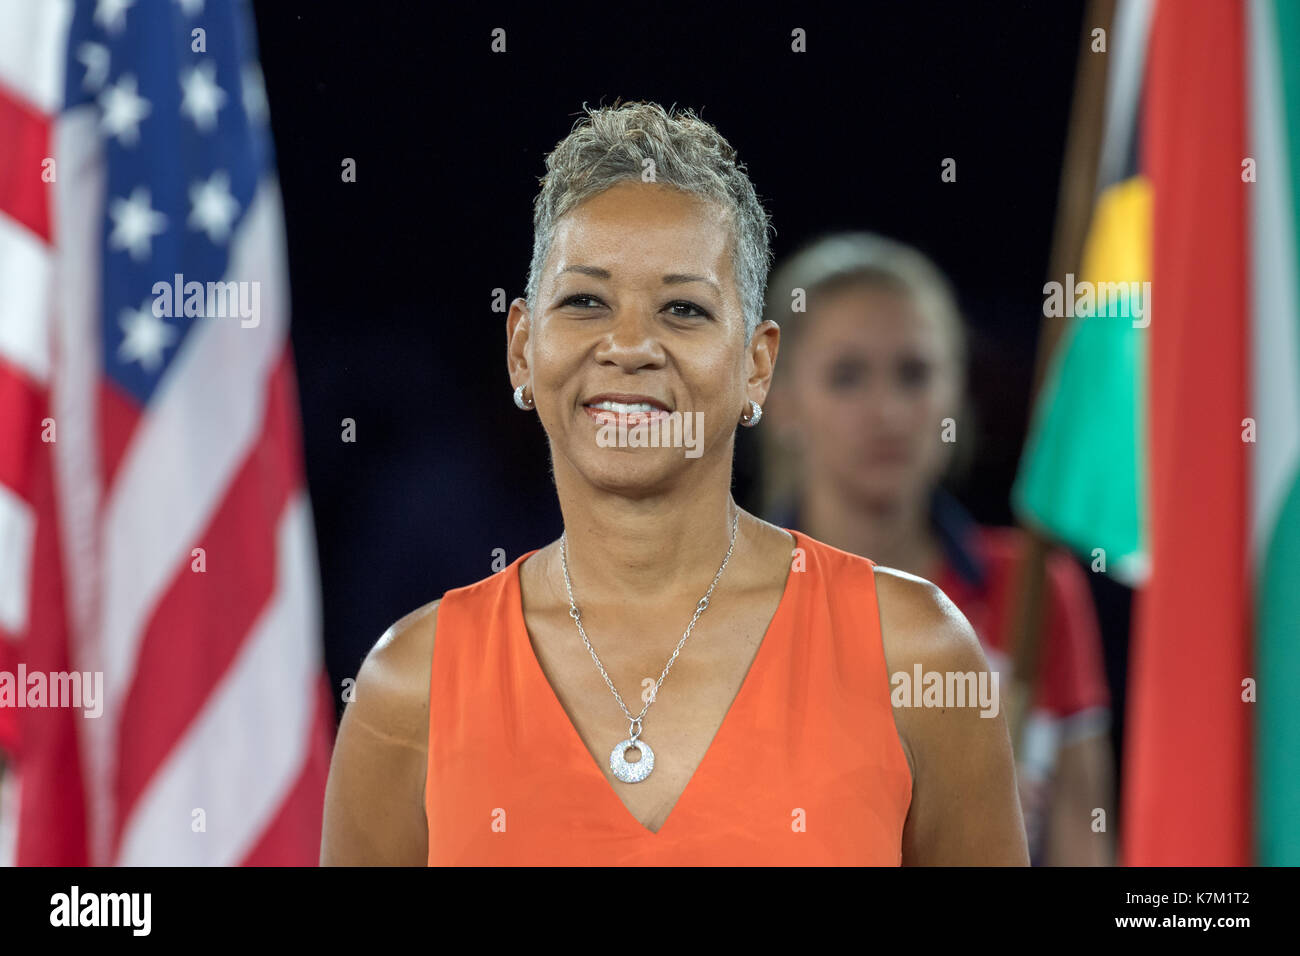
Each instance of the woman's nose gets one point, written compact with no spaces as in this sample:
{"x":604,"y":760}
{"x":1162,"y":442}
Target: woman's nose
{"x":886,"y":403}
{"x":631,"y":337}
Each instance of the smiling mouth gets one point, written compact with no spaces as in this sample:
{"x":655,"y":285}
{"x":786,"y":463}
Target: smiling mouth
{"x":627,"y":414}
{"x":626,"y":408}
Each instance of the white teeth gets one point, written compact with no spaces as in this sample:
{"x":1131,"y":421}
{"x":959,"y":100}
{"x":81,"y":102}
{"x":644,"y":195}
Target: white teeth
{"x":624,"y":409}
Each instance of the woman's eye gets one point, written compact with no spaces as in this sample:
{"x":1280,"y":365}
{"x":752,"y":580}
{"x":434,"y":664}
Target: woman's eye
{"x":584,"y":301}
{"x":914,"y":373}
{"x":846,"y":375}
{"x":688,"y":305}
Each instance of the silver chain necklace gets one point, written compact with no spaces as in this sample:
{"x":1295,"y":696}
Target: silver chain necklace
{"x":636,"y":772}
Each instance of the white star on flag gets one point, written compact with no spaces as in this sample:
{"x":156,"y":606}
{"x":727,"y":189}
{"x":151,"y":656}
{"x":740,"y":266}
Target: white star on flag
{"x":123,"y":108}
{"x":146,"y":337}
{"x":111,"y":14}
{"x":135,"y":223}
{"x":202,"y":97}
{"x":212,"y":207}
{"x":94,"y":57}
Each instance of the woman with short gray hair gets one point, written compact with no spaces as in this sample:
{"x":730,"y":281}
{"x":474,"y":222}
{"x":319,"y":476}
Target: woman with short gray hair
{"x":673,"y":681}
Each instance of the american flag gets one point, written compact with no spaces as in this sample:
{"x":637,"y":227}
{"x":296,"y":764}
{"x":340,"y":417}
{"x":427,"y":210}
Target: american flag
{"x":154,"y":521}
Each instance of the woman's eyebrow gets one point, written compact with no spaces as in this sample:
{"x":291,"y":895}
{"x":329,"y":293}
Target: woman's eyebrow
{"x":594,"y":271}
{"x":672,"y":278}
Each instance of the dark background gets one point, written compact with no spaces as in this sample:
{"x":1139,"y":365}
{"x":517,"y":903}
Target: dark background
{"x":392,"y":275}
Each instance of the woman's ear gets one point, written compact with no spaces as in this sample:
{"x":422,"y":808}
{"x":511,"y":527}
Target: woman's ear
{"x":518,"y":328}
{"x":762,"y":351}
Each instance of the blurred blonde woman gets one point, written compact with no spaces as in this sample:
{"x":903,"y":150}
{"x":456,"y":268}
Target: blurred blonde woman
{"x":873,"y":359}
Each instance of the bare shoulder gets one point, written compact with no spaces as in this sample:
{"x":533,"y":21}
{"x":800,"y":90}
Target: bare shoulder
{"x":392,"y":689}
{"x":374,"y":806}
{"x":965,"y":809}
{"x":920,"y":624}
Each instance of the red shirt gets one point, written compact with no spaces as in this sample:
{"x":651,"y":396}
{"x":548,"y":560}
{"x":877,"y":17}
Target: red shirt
{"x":1072,"y":681}
{"x":1071,"y":701}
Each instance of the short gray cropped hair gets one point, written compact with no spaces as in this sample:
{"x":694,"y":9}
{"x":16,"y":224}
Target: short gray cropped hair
{"x":611,"y":144}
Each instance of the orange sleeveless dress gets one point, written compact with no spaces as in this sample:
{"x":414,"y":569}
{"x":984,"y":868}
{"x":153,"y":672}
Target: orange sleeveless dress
{"x":806,"y":769}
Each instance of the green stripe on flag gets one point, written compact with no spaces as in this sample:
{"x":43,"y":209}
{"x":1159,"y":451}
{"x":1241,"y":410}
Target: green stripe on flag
{"x":1079,"y":474}
{"x":1082,"y":475}
{"x":1276,"y":375}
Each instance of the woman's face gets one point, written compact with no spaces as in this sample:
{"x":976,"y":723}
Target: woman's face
{"x":873,"y":379}
{"x":638,"y":299}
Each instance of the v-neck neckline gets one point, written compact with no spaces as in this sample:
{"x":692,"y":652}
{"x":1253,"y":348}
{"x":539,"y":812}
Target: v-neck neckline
{"x":740,"y":700}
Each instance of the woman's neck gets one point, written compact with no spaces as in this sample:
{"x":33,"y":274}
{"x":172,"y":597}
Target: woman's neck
{"x":650,"y":550}
{"x":896,"y":533}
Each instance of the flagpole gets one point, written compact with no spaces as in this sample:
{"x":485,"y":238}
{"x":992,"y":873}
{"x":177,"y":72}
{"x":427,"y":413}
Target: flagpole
{"x":1075,"y":199}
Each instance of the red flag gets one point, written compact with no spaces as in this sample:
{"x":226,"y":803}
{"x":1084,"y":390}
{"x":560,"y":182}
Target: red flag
{"x":1187,"y":780}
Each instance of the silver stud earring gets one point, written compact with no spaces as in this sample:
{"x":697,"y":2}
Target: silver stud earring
{"x":519,"y":399}
{"x":755,"y":414}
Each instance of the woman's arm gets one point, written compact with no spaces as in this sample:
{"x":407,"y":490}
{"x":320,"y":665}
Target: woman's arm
{"x":965,"y":807}
{"x":1084,"y":781}
{"x":374,"y":799}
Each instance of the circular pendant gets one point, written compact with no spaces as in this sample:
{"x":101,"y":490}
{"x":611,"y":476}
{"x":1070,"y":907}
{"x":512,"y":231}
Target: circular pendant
{"x":632,"y":772}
